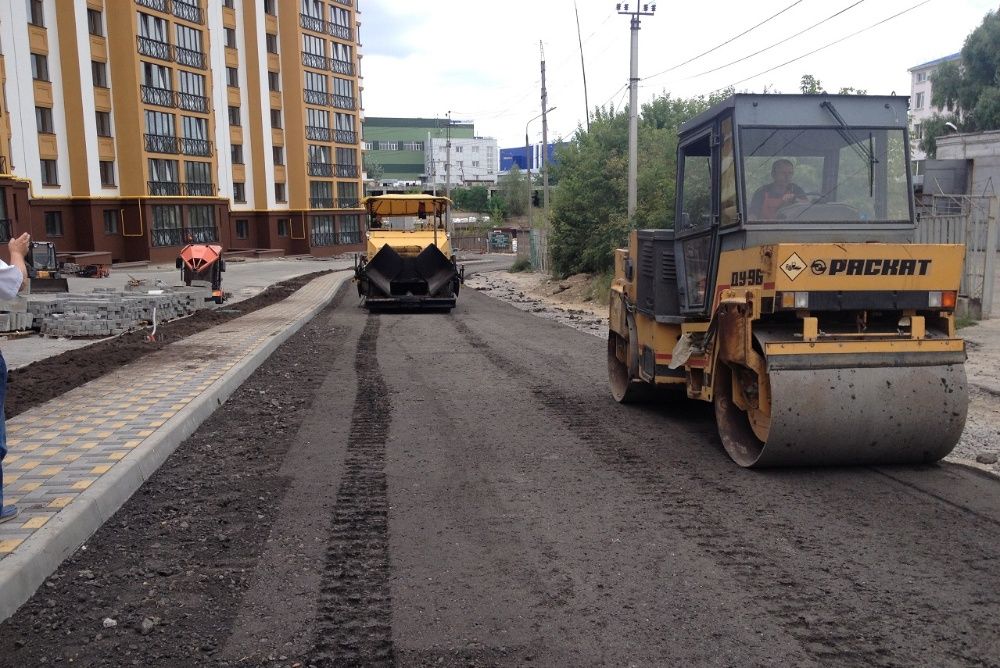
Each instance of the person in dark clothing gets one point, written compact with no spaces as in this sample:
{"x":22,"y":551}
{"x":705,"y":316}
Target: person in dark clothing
{"x":780,"y":192}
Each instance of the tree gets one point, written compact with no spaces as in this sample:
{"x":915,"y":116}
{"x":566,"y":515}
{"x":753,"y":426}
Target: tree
{"x":475,"y":198}
{"x":589,"y":218}
{"x":934,"y":127}
{"x":373,"y":168}
{"x":970,"y":87}
{"x":809,"y":84}
{"x":512,"y":193}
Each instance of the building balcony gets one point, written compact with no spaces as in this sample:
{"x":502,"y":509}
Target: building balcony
{"x":190,"y":58}
{"x":201,"y":147}
{"x":154,"y":48}
{"x":317,"y":133}
{"x":348,"y":238}
{"x":348,"y":203}
{"x":202,"y":235}
{"x":320,"y":169}
{"x":312,"y":23}
{"x":346,"y":3}
{"x":158,"y":5}
{"x":313,"y":60}
{"x":199,"y":189}
{"x":192,"y":102}
{"x":347,"y":171}
{"x":316,"y":97}
{"x":187,"y":11}
{"x":162,"y":144}
{"x":161,"y":97}
{"x":323,"y":238}
{"x":168,"y":237}
{"x":342,"y":102}
{"x":346,"y":137}
{"x":342,"y":67}
{"x":164,"y":189}
{"x":321,"y":202}
{"x":341,"y":32}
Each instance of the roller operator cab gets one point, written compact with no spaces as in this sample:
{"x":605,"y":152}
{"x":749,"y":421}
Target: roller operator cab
{"x":791,"y":293}
{"x":408,"y":261}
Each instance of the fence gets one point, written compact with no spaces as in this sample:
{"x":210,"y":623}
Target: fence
{"x":969,"y":220}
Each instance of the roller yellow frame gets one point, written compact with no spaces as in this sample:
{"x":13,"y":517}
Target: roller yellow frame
{"x":790,"y":293}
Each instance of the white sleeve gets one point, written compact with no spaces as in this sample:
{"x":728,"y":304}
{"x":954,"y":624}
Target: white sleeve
{"x":10,"y":280}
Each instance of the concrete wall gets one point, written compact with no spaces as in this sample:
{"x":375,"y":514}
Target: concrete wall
{"x":983,"y":149}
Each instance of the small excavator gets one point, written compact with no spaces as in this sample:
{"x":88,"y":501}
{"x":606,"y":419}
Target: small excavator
{"x":203,"y":262}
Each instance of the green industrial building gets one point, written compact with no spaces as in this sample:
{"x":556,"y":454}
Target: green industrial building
{"x":397,"y":144}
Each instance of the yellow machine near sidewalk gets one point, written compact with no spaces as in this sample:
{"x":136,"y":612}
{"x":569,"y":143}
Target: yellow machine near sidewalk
{"x":408,"y":261}
{"x":790,"y":293}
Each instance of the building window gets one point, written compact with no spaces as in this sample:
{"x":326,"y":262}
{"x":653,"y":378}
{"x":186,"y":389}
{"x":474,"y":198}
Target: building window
{"x":322,"y":231}
{"x":50,"y":175}
{"x":919,"y":102}
{"x":350,"y":229}
{"x":107,"y":173}
{"x":111,"y":221}
{"x":39,"y":67}
{"x":43,"y":119}
{"x":273,"y":82}
{"x":53,"y":224}
{"x":918,"y":131}
{"x":276,"y":119}
{"x":201,"y":224}
{"x":237,"y":153}
{"x":239,"y":192}
{"x":230,"y":34}
{"x":279,"y":192}
{"x":36,"y":15}
{"x":242,"y":229}
{"x":234,"y":116}
{"x":95,"y":22}
{"x":272,"y":43}
{"x":103,"y":123}
{"x":100,"y":72}
{"x":921,"y":77}
{"x":279,"y":155}
{"x":283,"y":225}
{"x":229,"y":4}
{"x":270,"y":8}
{"x":166,"y":230}
{"x":232,"y":77}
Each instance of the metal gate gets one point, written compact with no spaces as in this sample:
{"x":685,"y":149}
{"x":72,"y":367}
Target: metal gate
{"x":969,"y":220}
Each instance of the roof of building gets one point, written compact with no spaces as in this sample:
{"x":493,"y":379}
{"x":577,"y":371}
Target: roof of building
{"x":932,"y":63}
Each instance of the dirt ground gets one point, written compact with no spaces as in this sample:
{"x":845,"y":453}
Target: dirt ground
{"x":46,"y":379}
{"x":569,"y":301}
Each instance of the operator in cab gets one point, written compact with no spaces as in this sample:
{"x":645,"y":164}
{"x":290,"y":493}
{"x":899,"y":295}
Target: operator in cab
{"x":780,"y":192}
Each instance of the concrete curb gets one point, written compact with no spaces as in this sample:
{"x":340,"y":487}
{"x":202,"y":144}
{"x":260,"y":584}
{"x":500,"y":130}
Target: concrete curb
{"x":24,"y":571}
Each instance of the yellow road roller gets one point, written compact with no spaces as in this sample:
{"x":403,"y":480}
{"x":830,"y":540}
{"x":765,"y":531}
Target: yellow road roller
{"x":408,"y":261}
{"x":790,"y":293}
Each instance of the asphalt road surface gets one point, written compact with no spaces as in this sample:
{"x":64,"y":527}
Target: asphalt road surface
{"x":460,"y":489}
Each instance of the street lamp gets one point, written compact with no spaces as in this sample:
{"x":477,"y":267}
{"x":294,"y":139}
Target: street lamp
{"x":527,"y":157}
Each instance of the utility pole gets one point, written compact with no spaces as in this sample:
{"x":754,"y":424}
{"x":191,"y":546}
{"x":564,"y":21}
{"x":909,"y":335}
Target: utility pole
{"x":643,"y":9}
{"x":583,"y":68}
{"x":545,"y":140}
{"x":447,"y":173}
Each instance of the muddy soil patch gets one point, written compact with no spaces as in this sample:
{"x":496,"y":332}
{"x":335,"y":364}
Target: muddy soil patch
{"x":46,"y":379}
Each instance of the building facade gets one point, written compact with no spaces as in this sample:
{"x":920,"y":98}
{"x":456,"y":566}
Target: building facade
{"x":526,"y":157}
{"x":470,"y":161}
{"x":135,"y":126}
{"x":397,"y":147}
{"x":921,"y":108}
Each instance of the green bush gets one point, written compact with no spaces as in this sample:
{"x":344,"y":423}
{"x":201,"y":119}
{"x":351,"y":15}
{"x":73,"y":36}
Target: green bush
{"x":520,"y":264}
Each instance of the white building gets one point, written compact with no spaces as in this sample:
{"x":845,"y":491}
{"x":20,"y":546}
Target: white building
{"x":474,"y":161}
{"x":920,"y":101}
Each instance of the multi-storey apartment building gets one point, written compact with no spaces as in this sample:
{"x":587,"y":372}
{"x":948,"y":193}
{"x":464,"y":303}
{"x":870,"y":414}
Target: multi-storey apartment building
{"x":136,"y":126}
{"x":921,"y":108}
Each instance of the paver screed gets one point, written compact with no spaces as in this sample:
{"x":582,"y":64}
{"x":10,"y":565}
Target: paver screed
{"x":83,"y":447}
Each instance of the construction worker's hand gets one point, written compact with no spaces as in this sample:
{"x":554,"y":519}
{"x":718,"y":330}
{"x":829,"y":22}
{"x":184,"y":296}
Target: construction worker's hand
{"x":19,"y":247}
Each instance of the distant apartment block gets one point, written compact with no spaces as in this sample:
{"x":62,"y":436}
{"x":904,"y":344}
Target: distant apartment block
{"x":920,"y":101}
{"x":135,"y":126}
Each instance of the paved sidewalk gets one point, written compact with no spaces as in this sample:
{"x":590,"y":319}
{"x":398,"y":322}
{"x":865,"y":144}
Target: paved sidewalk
{"x":75,"y":460}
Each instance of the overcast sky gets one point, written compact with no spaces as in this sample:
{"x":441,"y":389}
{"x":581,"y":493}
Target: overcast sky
{"x":481,"y":60}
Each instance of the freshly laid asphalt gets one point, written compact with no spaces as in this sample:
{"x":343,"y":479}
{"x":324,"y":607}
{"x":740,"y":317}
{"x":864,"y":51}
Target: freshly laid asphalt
{"x":73,"y":461}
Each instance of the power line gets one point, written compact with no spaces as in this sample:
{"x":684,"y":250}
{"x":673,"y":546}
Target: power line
{"x":825,"y":46}
{"x":768,"y":48}
{"x":728,"y":41}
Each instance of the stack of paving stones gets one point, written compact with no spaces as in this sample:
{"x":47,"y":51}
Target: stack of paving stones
{"x":108,"y":312}
{"x":14,"y":315}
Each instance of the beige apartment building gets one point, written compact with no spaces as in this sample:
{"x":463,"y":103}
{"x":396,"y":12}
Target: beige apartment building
{"x":135,"y":126}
